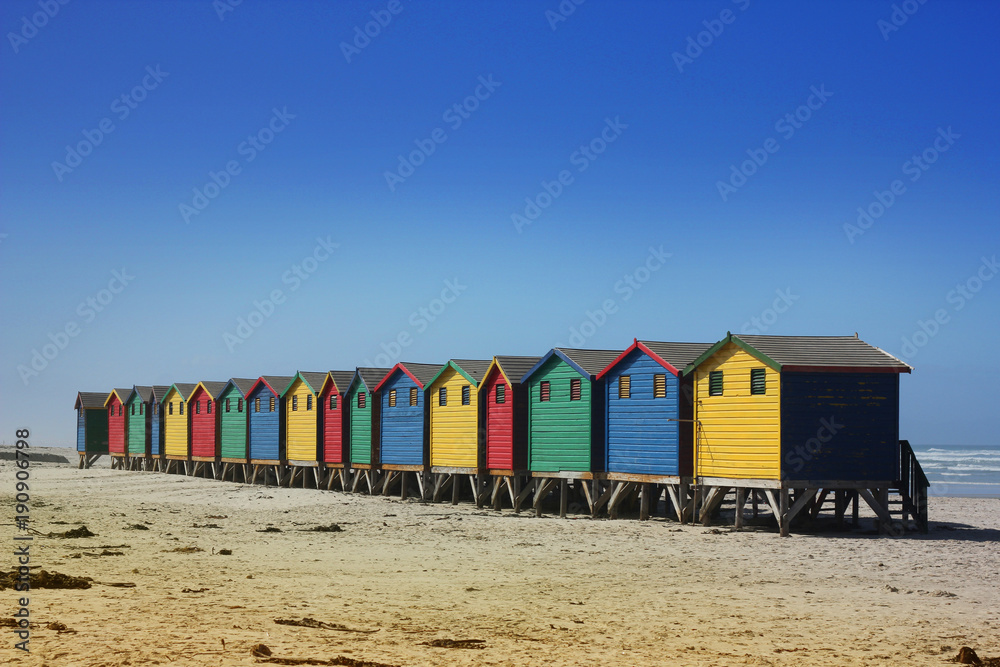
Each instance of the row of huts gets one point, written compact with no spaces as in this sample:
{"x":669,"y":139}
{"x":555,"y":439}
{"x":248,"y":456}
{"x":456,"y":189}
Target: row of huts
{"x":783,"y":418}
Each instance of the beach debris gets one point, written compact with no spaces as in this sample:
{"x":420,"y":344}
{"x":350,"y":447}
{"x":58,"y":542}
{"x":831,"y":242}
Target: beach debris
{"x":82,"y":531}
{"x":138,"y":526}
{"x":260,"y":651}
{"x":270,"y":529}
{"x":217,"y":516}
{"x":116,"y":584}
{"x":205,"y":525}
{"x":183,"y":550}
{"x":263,"y":654}
{"x":456,"y":643}
{"x":332,"y":528}
{"x":194,"y":590}
{"x":225,"y":552}
{"x":967,"y":656}
{"x":7,"y":622}
{"x":320,"y":625}
{"x":45,"y":579}
{"x":58,"y":627}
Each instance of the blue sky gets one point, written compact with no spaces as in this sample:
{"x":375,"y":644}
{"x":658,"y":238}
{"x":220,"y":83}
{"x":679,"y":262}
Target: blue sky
{"x":667,"y":171}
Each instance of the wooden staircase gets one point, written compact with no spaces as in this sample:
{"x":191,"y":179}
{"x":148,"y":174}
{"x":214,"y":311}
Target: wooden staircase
{"x":911,"y":485}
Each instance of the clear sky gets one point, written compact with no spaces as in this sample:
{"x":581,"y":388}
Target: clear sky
{"x":480,"y":178}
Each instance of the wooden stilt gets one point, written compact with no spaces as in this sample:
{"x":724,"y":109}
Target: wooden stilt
{"x":782,"y":513}
{"x":563,"y":497}
{"x":644,"y":502}
{"x":741,"y":498}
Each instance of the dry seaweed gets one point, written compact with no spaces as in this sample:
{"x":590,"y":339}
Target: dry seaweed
{"x":45,"y":579}
{"x":82,"y":531}
{"x":456,"y":643}
{"x":263,"y":654}
{"x":319,"y":625}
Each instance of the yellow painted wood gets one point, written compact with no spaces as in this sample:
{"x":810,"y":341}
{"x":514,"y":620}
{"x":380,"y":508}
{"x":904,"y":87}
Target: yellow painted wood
{"x":175,"y":426}
{"x":301,"y":425}
{"x":738,"y":434}
{"x":454,"y":427}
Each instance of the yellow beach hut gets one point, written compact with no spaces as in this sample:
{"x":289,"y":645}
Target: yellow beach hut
{"x":176,"y":425}
{"x":302,"y":423}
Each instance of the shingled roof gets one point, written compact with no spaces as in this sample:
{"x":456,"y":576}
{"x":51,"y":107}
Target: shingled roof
{"x":342,"y":380}
{"x":183,"y":388}
{"x":674,"y":356}
{"x":243,"y":385}
{"x":514,"y":368}
{"x":474,"y":370}
{"x":214,"y":389}
{"x":586,"y":362}
{"x":811,"y":353}
{"x":371,"y":376}
{"x":312,"y":379}
{"x":89,"y":400}
{"x":145,"y":393}
{"x":422,"y":373}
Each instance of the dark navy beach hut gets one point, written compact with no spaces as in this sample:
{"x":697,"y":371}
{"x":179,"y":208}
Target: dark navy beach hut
{"x":403,"y":431}
{"x":156,"y":424}
{"x":91,"y":426}
{"x":648,"y":421}
{"x":267,"y":423}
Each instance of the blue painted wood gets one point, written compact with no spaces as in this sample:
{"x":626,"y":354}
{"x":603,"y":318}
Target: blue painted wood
{"x":839,"y":426}
{"x":81,"y":430}
{"x":403,"y":426}
{"x":642,"y":434}
{"x":265,"y":426}
{"x":156,"y":432}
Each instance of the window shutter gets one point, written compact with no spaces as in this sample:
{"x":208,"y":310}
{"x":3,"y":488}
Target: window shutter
{"x":574,"y":389}
{"x":208,"y":406}
{"x":361,"y":399}
{"x":543,"y":390}
{"x":758,"y":381}
{"x":659,"y":386}
{"x":392,"y":398}
{"x":181,"y":404}
{"x":271,"y":404}
{"x":501,"y":393}
{"x":715,"y":383}
{"x":140,"y":408}
{"x":295,"y":403}
{"x":170,"y":408}
{"x":227,"y":405}
{"x":256,"y":404}
{"x":239,"y":405}
{"x":625,"y":386}
{"x":466,"y":395}
{"x":333,"y":401}
{"x":413,"y":396}
{"x":120,"y":409}
{"x":309,"y":402}
{"x":443,"y":396}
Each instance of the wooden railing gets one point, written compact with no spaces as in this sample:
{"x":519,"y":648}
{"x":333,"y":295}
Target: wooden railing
{"x":913,"y":486}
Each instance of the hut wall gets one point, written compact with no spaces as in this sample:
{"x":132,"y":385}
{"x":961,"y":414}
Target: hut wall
{"x":332,"y":425}
{"x":156,"y":429}
{"x":643,"y":433}
{"x":265,"y":426}
{"x":559,"y":430}
{"x":453,"y":426}
{"x":739,"y":433}
{"x":175,"y":425}
{"x":203,"y":422}
{"x":138,"y":426}
{"x":403,"y":427}
{"x":232,"y":424}
{"x":302,"y":422}
{"x":840,"y":426}
{"x":116,"y":426}
{"x":360,"y":432}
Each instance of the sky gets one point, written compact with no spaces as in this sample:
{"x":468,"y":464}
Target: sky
{"x":202,"y":190}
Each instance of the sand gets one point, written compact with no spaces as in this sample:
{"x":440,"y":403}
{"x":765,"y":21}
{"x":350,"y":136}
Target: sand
{"x":538,"y":591}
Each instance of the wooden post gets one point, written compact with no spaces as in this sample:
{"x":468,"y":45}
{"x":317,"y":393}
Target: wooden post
{"x":741,"y":498}
{"x":402,"y":486}
{"x":783,"y":513}
{"x":563,"y":497}
{"x":644,"y":503}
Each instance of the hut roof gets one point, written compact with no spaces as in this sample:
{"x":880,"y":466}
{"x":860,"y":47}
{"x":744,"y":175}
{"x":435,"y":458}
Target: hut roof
{"x":243,"y":385}
{"x":586,"y":362}
{"x":144,"y":393}
{"x":811,"y":353}
{"x":514,"y":368}
{"x":340,"y":379}
{"x":675,"y":357}
{"x":369,"y":376}
{"x":276,"y":383}
{"x":183,"y":388}
{"x":213,"y":389}
{"x":313,"y":380}
{"x":159,"y":391}
{"x":473,"y":370}
{"x":422,"y":374}
{"x":90,"y":399}
{"x":121,"y":392}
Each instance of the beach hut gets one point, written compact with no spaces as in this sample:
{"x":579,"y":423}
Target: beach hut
{"x":404,"y":424}
{"x":364,"y":420}
{"x":302,"y":424}
{"x":91,"y":426}
{"x":156,"y":431}
{"x":649,"y":427}
{"x":233,"y":425}
{"x":117,"y":427}
{"x":505,"y":427}
{"x":139,"y":412}
{"x":804,"y":416}
{"x":205,"y":427}
{"x":176,"y":426}
{"x":334,"y":426}
{"x":566,"y":422}
{"x":267,"y":425}
{"x":453,"y":434}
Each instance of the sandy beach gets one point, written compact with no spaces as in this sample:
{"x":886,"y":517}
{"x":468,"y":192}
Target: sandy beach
{"x":538,"y":591}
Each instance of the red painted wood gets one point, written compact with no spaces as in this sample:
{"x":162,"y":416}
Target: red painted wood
{"x":499,"y":424}
{"x":333,"y":431}
{"x":202,"y":424}
{"x":116,"y":426}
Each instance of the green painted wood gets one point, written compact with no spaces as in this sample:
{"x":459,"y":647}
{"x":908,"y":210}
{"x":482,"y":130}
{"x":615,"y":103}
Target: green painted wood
{"x":136,"y":434}
{"x":233,"y":425}
{"x":97,"y":431}
{"x":559,"y":430}
{"x":361,"y":427}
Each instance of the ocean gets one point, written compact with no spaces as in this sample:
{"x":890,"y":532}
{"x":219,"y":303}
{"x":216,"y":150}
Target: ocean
{"x":961,"y":470}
